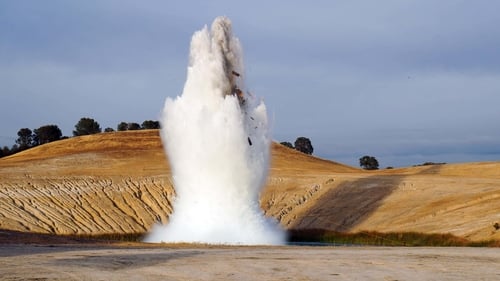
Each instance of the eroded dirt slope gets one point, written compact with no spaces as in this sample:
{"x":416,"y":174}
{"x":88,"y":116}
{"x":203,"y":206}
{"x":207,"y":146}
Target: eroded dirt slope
{"x":120,"y":182}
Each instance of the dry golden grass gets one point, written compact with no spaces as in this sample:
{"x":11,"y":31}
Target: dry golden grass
{"x":120,"y":183}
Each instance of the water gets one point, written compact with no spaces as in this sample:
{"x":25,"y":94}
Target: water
{"x":217,"y":140}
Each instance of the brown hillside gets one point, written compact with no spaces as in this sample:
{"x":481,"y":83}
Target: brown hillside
{"x":120,"y":182}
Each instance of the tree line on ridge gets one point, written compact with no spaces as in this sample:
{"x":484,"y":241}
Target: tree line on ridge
{"x":28,"y":138}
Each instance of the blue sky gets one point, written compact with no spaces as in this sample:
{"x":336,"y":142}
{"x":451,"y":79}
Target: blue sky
{"x":404,"y":81}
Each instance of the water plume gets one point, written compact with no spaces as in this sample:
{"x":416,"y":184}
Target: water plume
{"x":217,"y":140}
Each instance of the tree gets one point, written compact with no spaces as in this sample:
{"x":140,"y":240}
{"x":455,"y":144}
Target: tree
{"x":304,"y":145}
{"x":108,"y":130}
{"x":14,"y":149}
{"x":368,"y":162}
{"x":25,"y":138}
{"x":46,"y":134}
{"x":6,"y":151}
{"x":86,"y":126}
{"x":287,"y":144}
{"x":133,"y":126}
{"x":123,"y":126}
{"x":150,"y":124}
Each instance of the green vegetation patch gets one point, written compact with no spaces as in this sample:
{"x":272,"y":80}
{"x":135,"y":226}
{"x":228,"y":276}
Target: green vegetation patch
{"x":410,"y":239}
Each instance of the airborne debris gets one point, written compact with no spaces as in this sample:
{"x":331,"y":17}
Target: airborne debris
{"x":235,"y":90}
{"x":239,"y":94}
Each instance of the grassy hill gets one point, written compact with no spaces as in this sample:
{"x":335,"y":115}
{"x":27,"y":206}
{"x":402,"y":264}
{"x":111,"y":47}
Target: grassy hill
{"x":120,"y":183}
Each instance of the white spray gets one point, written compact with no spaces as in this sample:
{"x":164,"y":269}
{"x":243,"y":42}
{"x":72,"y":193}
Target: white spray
{"x":217,"y":141}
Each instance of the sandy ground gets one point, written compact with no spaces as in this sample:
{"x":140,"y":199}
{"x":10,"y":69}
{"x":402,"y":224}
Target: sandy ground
{"x":97,"y":262}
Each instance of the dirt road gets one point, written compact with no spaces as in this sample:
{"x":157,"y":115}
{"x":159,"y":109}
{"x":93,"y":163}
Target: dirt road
{"x":91,"y":262}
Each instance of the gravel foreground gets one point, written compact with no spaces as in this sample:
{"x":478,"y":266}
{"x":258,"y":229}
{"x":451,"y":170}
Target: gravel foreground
{"x":98,"y":262}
